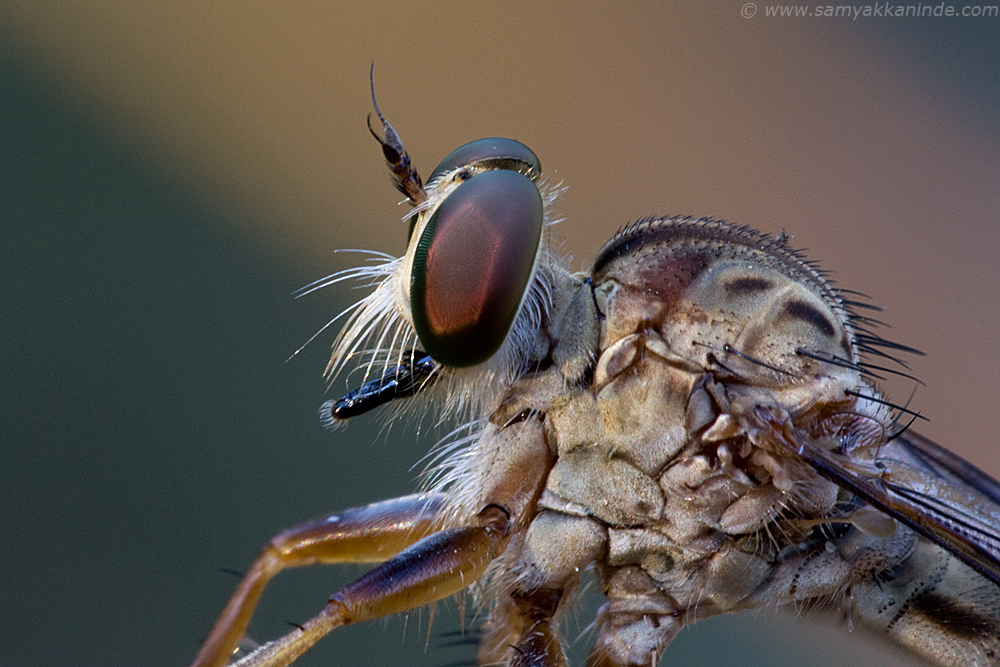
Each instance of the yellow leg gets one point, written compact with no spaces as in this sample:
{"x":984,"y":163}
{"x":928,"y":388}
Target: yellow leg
{"x":439,"y":565}
{"x":364,"y":534}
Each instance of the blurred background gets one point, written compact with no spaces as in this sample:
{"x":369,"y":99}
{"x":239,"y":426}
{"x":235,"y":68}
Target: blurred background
{"x":171,"y":172}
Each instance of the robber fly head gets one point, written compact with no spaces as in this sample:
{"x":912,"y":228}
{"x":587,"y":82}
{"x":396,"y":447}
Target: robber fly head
{"x":474,"y":284}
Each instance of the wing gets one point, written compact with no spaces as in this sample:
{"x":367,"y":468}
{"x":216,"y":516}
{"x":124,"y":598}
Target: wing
{"x":949,"y":466}
{"x":930,"y":489}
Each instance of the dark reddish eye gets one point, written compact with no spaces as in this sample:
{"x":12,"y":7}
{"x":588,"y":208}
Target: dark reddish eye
{"x":493,"y":153}
{"x":472,"y":265}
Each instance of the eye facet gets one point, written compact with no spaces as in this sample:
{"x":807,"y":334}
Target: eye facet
{"x":492,"y":153}
{"x":472,"y":265}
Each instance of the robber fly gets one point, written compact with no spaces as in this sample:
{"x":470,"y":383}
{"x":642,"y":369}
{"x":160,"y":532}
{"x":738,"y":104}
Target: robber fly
{"x":693,"y":419}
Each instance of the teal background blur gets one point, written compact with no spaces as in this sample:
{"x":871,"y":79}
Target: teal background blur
{"x":151,"y":430}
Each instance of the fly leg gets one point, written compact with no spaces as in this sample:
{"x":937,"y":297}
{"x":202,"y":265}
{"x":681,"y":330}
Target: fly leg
{"x":364,"y":534}
{"x":498,"y":503}
{"x":437,"y":566}
{"x":539,"y":644}
{"x":523,"y":629}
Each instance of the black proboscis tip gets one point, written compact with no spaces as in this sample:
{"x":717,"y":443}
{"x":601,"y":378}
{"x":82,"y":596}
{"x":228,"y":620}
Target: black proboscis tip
{"x":414,"y":374}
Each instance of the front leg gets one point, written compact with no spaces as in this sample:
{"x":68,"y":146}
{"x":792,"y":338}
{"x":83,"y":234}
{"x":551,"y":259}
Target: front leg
{"x":361,"y":535}
{"x":440,"y":565}
{"x":511,"y":465}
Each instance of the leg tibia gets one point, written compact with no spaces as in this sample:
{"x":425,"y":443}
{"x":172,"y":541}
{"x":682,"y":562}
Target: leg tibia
{"x":363,"y":534}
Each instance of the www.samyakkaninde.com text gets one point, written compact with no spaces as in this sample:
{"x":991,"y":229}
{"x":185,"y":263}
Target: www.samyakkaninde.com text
{"x":874,"y":10}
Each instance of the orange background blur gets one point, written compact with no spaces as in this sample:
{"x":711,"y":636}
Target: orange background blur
{"x":170,"y":172}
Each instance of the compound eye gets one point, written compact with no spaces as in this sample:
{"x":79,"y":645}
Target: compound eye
{"x":492,"y":153}
{"x":473,"y":262}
